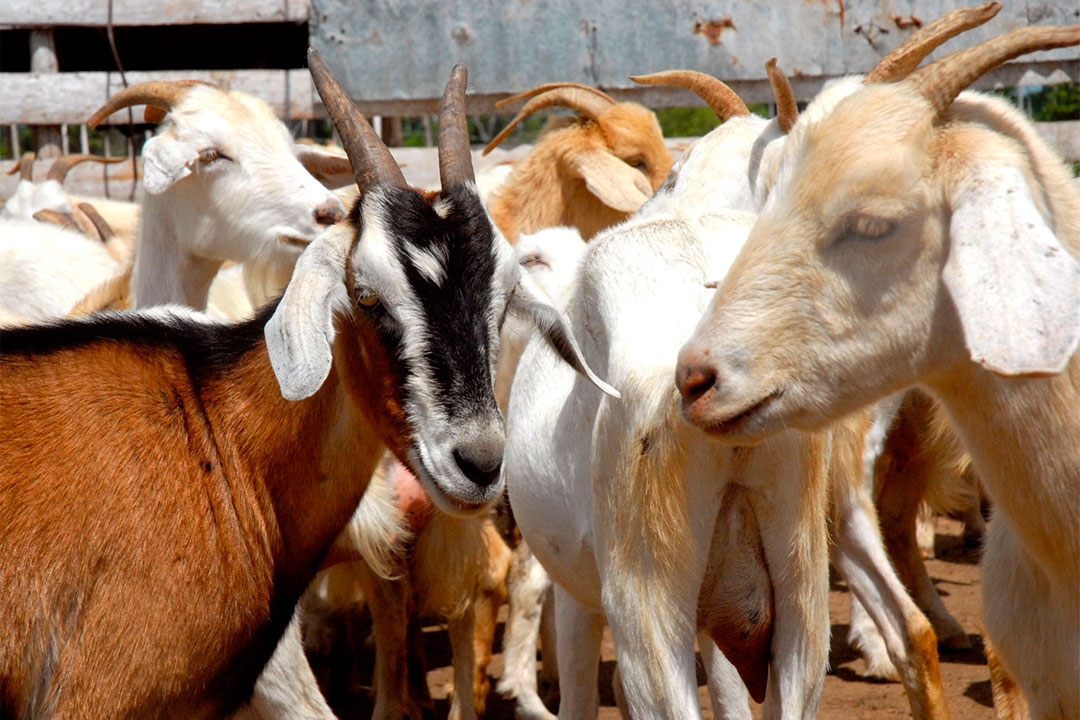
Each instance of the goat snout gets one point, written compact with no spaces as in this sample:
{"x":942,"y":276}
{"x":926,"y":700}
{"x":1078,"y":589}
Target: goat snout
{"x":480,"y":462}
{"x":694,"y":376}
{"x":329,"y":212}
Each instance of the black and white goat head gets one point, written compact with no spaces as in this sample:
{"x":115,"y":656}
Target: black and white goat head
{"x":405,"y":300}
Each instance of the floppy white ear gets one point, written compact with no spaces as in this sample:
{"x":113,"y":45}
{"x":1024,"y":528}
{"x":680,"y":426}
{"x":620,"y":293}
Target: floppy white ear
{"x":618,"y":185}
{"x":1015,"y":286}
{"x":300,"y":334}
{"x":531,"y":302}
{"x":330,"y":169}
{"x":166,"y":159}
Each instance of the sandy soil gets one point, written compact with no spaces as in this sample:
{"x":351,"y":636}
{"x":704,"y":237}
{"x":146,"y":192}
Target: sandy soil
{"x":846,"y":695}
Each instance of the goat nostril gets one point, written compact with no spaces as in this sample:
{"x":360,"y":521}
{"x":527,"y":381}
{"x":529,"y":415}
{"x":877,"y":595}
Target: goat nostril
{"x":329,"y":213}
{"x":694,"y":381}
{"x":481,"y":472}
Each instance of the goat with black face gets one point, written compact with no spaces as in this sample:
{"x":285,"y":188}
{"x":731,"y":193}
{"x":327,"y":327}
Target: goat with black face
{"x":235,"y":454}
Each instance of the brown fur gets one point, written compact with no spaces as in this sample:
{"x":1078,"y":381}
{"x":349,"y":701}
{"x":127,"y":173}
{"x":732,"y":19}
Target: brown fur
{"x":544,"y":191}
{"x":159,"y":528}
{"x":1009,"y":702}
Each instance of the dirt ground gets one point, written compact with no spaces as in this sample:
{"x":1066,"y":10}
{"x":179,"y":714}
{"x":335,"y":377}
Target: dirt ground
{"x":846,"y":695}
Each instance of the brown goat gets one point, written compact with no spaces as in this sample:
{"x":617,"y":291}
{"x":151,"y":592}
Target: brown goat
{"x":592,"y":173}
{"x":165,"y":506}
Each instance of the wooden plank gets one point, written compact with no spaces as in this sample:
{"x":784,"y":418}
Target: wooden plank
{"x":71,"y":98}
{"x":29,"y":13}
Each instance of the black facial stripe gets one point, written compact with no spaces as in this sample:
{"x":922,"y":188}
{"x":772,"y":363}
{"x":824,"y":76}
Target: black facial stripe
{"x":457,"y":311}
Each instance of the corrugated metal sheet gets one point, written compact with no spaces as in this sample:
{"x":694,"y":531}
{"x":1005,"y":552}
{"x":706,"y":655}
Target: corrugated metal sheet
{"x":392,"y":51}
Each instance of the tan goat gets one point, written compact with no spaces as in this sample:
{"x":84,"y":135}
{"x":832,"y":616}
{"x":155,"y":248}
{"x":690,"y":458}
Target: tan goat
{"x":591,"y":174}
{"x":914,"y":237}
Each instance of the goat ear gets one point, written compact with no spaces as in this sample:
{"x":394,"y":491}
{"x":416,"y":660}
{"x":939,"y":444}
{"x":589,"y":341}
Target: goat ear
{"x":166,"y":159}
{"x":615,"y":183}
{"x":1015,"y":286}
{"x":332,"y":170}
{"x":531,"y":302}
{"x":300,"y":334}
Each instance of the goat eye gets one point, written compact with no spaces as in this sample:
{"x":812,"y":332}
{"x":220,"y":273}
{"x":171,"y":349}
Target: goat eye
{"x":532,"y":260}
{"x":208,"y":155}
{"x":871,"y":228}
{"x":366,"y":299}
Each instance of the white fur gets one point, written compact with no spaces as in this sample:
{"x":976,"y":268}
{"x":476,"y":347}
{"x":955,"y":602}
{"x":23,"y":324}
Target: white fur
{"x":643,"y":285}
{"x":244,"y":206}
{"x":45,"y":269}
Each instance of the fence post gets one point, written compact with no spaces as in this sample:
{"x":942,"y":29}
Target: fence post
{"x":43,"y":60}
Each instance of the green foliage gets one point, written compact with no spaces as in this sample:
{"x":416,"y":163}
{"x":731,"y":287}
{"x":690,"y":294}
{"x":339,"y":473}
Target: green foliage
{"x":1056,"y":102}
{"x":686,"y":121}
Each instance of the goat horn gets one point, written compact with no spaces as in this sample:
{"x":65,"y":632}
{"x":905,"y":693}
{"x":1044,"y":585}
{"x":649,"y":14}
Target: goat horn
{"x":24,"y":166}
{"x":371,"y":162}
{"x":162,"y":94}
{"x":943,"y":80}
{"x":722,"y":99}
{"x":552,"y":86}
{"x":56,"y":218}
{"x":104,"y":229}
{"x":586,"y":102}
{"x":455,"y":160}
{"x":64,"y":163}
{"x":906,"y":56}
{"x":787,"y":112}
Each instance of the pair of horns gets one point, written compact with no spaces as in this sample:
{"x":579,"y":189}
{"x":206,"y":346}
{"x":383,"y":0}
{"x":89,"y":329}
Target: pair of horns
{"x":59,"y":169}
{"x":943,"y":80}
{"x":589,"y":101}
{"x":371,"y":162}
{"x":722,"y":99}
{"x":159,"y":97}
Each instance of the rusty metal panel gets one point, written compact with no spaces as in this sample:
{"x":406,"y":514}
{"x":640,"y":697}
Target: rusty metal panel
{"x":393,"y":51}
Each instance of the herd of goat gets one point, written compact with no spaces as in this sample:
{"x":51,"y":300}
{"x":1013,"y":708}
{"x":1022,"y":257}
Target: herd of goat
{"x":278,"y":384}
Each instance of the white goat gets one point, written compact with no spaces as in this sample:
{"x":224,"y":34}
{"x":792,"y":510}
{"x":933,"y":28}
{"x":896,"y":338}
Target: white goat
{"x":934,"y":238}
{"x":224,"y":182}
{"x":638,"y":519}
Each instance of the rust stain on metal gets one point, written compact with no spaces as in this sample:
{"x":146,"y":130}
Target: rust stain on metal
{"x":713,"y":29}
{"x":909,"y":21}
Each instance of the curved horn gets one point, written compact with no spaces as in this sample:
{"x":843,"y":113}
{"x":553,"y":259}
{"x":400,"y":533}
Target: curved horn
{"x":906,"y":56}
{"x":104,"y":230}
{"x":455,"y":160}
{"x":587,"y":102}
{"x":24,"y":166}
{"x":162,"y":94}
{"x":787,"y":112}
{"x":552,"y":86}
{"x":372,"y":163}
{"x":722,"y":99}
{"x":56,"y":218}
{"x":942,"y":81}
{"x":64,"y":163}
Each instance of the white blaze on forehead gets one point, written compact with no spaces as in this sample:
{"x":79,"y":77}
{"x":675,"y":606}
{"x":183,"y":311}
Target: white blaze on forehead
{"x":430,"y":262}
{"x":442,"y":207}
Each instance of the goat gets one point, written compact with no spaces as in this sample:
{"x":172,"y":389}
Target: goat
{"x":591,"y":174}
{"x":224,"y":181}
{"x":30,"y":197}
{"x":933,"y":238}
{"x":602,"y":491}
{"x":187,"y":539}
{"x":45,"y":269}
